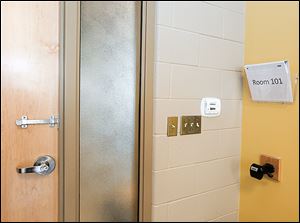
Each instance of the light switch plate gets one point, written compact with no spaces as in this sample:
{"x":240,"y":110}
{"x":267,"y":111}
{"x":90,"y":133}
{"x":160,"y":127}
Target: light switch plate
{"x":172,"y":126}
{"x":276,"y":162}
{"x":190,"y":125}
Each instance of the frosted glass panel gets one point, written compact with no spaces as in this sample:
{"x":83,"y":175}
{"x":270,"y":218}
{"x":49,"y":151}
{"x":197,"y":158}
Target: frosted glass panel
{"x":108,"y":84}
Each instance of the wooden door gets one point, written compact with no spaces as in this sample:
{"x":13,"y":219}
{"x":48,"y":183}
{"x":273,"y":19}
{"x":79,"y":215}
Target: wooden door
{"x":29,"y":86}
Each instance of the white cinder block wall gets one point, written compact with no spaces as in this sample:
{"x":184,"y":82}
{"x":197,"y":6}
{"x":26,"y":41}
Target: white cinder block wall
{"x":199,"y":53}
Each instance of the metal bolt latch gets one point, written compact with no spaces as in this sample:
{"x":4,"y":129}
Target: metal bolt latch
{"x":24,"y":121}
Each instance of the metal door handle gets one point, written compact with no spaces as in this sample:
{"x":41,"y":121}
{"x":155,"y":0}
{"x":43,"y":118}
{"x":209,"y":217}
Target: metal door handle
{"x":44,"y":165}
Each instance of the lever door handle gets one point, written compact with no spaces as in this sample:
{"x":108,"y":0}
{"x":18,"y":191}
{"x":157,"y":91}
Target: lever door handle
{"x":258,"y":171}
{"x":44,"y":165}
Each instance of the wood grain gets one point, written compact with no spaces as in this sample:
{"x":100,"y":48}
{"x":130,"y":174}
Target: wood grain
{"x":276,"y":162}
{"x":29,"y":86}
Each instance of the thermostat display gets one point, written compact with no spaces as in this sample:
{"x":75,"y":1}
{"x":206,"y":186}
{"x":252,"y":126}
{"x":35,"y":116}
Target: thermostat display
{"x":210,"y":107}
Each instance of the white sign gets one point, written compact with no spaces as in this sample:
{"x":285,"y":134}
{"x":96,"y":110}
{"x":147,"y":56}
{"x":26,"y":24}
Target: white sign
{"x":270,"y":82}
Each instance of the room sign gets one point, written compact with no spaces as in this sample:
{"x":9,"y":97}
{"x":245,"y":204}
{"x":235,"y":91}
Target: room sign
{"x":270,"y":82}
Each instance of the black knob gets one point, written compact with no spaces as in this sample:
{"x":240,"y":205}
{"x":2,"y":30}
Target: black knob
{"x":258,"y":171}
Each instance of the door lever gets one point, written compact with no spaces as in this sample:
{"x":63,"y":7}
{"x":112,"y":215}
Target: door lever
{"x":258,"y":171}
{"x":44,"y":165}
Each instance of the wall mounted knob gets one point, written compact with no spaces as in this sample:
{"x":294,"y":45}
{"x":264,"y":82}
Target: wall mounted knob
{"x":258,"y":171}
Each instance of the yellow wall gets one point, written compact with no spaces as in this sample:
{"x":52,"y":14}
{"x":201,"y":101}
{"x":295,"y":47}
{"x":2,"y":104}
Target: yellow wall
{"x":272,"y":33}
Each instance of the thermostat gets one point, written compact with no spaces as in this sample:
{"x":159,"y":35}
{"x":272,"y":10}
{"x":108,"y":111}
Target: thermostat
{"x":210,"y":107}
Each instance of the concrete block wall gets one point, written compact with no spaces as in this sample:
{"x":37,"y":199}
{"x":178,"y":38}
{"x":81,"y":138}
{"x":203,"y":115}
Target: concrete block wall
{"x":199,"y":53}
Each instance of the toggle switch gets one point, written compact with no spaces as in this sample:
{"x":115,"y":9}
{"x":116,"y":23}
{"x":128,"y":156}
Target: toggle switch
{"x":172,"y":126}
{"x":190,"y":125}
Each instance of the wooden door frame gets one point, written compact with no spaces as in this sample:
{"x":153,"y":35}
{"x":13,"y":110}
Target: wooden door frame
{"x":69,"y":111}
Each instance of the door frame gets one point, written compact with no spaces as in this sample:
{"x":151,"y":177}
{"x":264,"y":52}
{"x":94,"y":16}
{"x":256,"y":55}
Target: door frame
{"x":69,"y":111}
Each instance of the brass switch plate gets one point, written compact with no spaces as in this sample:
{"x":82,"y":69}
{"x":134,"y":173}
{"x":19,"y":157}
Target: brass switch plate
{"x":190,"y":125}
{"x":276,"y":162}
{"x":172,"y":126}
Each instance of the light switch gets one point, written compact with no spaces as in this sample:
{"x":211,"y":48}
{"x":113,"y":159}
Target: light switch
{"x":190,"y":125}
{"x":172,"y":126}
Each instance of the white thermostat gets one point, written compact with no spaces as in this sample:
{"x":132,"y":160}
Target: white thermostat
{"x":210,"y":107}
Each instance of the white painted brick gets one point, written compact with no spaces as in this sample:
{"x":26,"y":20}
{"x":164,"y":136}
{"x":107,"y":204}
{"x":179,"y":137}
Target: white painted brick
{"x":237,"y":6}
{"x":163,"y":12}
{"x":233,"y":26}
{"x":160,"y":152}
{"x":190,"y":149}
{"x":230,"y":116}
{"x":205,"y":206}
{"x":163,"y":108}
{"x":162,"y":80}
{"x":209,"y":145}
{"x":173,"y":184}
{"x":193,"y":61}
{"x":230,"y":142}
{"x":217,"y":174}
{"x":188,"y":82}
{"x":232,"y":217}
{"x":221,"y":54}
{"x":160,"y":213}
{"x":231,"y":85}
{"x":198,"y":17}
{"x":176,"y":46}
